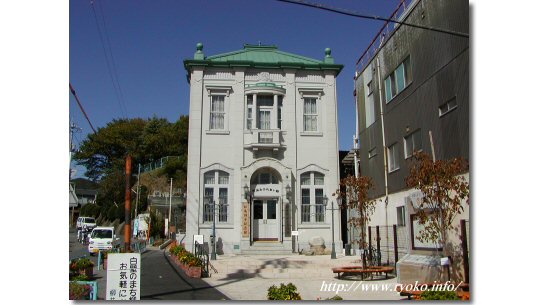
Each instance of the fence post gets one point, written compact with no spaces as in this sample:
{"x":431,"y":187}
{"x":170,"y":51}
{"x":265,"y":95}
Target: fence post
{"x":378,"y":244}
{"x":465,"y":250}
{"x":370,"y":237}
{"x":395,"y":230}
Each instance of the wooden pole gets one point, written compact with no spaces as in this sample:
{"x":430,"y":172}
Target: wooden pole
{"x":127,"y":231}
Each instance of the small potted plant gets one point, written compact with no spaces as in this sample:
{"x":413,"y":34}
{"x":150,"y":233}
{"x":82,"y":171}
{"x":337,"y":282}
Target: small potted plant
{"x":79,"y":291}
{"x":82,"y":266}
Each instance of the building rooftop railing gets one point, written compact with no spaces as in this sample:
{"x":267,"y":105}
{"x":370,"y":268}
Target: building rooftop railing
{"x":383,"y":35}
{"x":157,"y":164}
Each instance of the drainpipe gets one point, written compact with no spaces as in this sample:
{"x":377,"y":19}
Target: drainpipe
{"x":384,"y":149}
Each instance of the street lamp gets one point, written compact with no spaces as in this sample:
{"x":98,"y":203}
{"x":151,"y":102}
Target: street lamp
{"x":213,"y":204}
{"x":333,"y":251}
{"x":247,"y":191}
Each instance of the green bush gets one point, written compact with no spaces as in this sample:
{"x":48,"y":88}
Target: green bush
{"x":335,"y":298}
{"x":439,"y":295}
{"x":79,"y":291}
{"x":284,"y":292}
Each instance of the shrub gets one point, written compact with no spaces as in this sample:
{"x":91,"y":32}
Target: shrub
{"x":284,"y":292}
{"x":79,"y":291}
{"x":335,"y":298}
{"x":439,"y":295}
{"x":81,"y":263}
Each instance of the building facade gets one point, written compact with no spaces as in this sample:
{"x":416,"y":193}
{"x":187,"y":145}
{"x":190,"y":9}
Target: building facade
{"x":412,"y":94}
{"x":263,"y":150}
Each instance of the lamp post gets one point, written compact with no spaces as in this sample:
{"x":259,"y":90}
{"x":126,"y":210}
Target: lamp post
{"x":333,"y":251}
{"x":214,"y":252}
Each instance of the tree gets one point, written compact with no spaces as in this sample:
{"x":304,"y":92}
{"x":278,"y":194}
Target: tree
{"x":103,"y":154}
{"x":444,"y":190}
{"x":355,"y":192}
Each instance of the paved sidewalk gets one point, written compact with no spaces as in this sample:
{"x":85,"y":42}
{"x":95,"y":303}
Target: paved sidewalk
{"x":161,"y":279}
{"x":249,"y":277}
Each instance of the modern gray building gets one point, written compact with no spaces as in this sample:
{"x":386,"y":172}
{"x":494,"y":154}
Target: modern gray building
{"x":412,"y":94}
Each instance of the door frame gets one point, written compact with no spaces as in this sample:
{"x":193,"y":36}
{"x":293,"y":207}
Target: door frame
{"x":278,"y":218}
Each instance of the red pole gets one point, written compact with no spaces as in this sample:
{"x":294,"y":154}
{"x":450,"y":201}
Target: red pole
{"x":127,"y":231}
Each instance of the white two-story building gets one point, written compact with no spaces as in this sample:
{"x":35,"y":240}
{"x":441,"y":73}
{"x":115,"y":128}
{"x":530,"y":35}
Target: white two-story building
{"x":263,"y":149}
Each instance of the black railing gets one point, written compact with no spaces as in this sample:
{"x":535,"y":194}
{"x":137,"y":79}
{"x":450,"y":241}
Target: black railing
{"x":201,"y":253}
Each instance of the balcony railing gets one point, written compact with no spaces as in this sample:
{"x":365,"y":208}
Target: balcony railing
{"x":263,"y":139}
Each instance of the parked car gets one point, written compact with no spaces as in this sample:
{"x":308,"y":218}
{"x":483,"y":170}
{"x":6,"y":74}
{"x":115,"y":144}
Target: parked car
{"x":89,"y":222}
{"x":102,"y":238}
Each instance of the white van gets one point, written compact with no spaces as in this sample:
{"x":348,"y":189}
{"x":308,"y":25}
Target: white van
{"x":102,"y":238}
{"x":89,"y":222}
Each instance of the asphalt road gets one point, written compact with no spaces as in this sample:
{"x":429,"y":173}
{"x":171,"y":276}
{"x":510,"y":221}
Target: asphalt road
{"x":160,"y":279}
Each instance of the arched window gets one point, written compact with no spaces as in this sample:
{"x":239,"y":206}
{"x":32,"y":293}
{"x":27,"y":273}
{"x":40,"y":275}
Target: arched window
{"x":312,"y":193}
{"x":216,"y":184}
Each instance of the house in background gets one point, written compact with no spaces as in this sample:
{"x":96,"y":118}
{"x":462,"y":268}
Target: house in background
{"x":81,"y":192}
{"x":263,"y":150}
{"x":412,"y":94}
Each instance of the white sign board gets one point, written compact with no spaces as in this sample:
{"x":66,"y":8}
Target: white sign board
{"x":123,"y":277}
{"x":135,"y":227}
{"x":166,"y":226}
{"x":198,"y":239}
{"x":294,"y":233}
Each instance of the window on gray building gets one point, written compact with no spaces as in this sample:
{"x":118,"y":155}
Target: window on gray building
{"x":413,"y":143}
{"x":398,"y":80}
{"x":400,"y":216}
{"x":448,"y":106}
{"x":394,"y":163}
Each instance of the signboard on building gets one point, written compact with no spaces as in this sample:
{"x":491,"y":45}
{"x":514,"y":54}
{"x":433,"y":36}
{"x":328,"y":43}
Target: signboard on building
{"x":245,"y":220}
{"x":123,"y":277}
{"x":415,"y":199}
{"x":198,"y":239}
{"x":267,"y":190}
{"x":416,"y":244}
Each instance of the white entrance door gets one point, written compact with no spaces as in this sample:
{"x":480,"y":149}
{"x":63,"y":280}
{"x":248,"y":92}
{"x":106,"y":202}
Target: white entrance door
{"x":265,"y":220}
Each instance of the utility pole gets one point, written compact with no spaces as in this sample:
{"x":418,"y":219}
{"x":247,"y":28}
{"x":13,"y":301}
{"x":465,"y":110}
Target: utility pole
{"x":127,"y":233}
{"x":137,"y":191}
{"x":72,"y":129}
{"x":170,"y":209}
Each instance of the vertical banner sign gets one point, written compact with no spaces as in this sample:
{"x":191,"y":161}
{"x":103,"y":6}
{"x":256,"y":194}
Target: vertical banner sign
{"x":123,"y":277}
{"x":246,"y":220}
{"x":135,"y":228}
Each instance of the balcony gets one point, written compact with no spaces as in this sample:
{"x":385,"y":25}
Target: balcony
{"x":263,"y":139}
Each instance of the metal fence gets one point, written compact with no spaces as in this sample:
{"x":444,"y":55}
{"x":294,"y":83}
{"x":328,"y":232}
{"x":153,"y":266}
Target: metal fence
{"x":201,"y":253}
{"x":465,"y":229}
{"x":157,"y":164}
{"x":391,"y":242}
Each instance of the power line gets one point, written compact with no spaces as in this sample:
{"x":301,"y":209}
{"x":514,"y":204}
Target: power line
{"x":115,"y":82}
{"x":80,"y":106}
{"x":373,"y":17}
{"x":112,"y":56}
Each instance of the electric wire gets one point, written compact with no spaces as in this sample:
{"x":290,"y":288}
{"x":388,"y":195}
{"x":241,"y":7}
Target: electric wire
{"x":373,"y":17}
{"x":80,"y":106}
{"x":115,"y":83}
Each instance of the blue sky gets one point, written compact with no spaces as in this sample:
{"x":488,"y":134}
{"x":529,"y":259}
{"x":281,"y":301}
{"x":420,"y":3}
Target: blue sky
{"x":150,"y":39}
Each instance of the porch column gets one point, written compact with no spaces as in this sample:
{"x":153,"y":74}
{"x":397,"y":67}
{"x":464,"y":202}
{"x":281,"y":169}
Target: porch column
{"x":254,"y":112}
{"x":274,"y":116}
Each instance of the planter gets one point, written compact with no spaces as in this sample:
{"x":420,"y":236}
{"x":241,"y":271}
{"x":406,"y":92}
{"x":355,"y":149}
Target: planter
{"x":88,"y":271}
{"x":195,"y":272}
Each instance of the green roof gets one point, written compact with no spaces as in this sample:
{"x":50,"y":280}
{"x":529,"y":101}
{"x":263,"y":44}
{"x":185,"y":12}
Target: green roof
{"x":262,"y":56}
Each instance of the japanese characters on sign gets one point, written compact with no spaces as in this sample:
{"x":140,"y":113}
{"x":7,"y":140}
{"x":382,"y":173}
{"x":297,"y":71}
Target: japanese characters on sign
{"x":246,"y":220}
{"x":123,"y":276}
